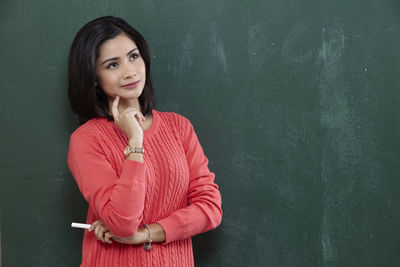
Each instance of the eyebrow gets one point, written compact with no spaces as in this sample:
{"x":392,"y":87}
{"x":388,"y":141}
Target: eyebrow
{"x":116,"y":58}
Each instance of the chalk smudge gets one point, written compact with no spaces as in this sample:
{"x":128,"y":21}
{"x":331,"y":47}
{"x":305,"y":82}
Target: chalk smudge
{"x":290,"y":48}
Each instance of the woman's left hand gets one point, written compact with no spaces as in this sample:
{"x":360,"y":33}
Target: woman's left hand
{"x":103,"y":234}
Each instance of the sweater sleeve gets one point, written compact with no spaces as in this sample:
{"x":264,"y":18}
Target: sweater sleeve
{"x":117,"y":201}
{"x":203,"y":212}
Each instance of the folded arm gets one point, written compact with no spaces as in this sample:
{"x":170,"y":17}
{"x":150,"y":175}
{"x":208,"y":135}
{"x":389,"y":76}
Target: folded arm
{"x":117,"y":200}
{"x":204,"y":211}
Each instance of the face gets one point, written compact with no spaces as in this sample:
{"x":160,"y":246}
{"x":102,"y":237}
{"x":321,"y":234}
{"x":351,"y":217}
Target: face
{"x":120,"y":69}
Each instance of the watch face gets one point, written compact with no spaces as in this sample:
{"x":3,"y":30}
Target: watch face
{"x":126,"y":150}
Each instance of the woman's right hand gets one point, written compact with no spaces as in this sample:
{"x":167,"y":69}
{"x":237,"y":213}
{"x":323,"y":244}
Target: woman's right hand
{"x":101,"y":231}
{"x":129,"y":121}
{"x":104,"y":235}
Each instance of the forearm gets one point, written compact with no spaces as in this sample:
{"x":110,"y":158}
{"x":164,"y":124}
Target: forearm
{"x":135,"y":157}
{"x":190,"y":221}
{"x":157,"y":233}
{"x":142,"y":235}
{"x":121,"y":212}
{"x":117,"y":198}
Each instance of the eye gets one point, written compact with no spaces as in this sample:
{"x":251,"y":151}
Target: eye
{"x":112,"y":65}
{"x":134,"y":56}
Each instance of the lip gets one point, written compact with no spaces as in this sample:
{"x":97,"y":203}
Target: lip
{"x":131,"y":85}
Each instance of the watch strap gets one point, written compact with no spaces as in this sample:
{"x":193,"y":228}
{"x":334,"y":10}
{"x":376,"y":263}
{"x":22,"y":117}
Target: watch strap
{"x":128,"y":150}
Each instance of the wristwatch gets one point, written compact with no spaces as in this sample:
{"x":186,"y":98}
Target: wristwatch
{"x":128,"y":150}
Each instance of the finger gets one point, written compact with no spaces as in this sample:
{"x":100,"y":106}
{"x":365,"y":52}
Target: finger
{"x":93,"y":225}
{"x":135,"y":113}
{"x":105,"y":230}
{"x":129,"y":109}
{"x":114,"y":108}
{"x":143,"y":117}
{"x":129,"y":112}
{"x":107,"y":237}
{"x":139,"y":118}
{"x":101,"y":234}
{"x":97,"y":233}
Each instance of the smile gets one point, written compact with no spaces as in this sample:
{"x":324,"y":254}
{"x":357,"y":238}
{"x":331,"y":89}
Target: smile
{"x":131,"y":85}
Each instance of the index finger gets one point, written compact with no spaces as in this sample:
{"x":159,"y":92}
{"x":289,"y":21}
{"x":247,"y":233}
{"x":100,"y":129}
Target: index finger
{"x":93,"y":226}
{"x":114,"y":108}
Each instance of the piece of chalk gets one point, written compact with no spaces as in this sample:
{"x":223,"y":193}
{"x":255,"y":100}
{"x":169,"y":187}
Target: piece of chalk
{"x":80,"y":225}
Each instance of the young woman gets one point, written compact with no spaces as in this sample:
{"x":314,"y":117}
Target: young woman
{"x":142,"y":172}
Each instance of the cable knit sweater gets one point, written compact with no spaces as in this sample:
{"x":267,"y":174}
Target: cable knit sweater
{"x":173,"y":187}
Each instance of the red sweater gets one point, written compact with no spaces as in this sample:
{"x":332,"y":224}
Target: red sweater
{"x":173,"y":187}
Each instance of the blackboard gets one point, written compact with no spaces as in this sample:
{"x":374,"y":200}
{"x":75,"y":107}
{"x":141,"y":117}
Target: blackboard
{"x":296,"y":104}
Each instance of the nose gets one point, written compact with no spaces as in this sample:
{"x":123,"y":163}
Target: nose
{"x":128,"y":72}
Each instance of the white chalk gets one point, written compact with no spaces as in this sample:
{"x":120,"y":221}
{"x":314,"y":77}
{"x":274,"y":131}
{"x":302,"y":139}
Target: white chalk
{"x":80,"y":225}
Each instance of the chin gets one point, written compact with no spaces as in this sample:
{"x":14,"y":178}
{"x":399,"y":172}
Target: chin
{"x":130,"y":96}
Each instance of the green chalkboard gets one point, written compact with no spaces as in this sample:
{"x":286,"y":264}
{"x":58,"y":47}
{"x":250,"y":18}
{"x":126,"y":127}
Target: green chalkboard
{"x":296,"y":104}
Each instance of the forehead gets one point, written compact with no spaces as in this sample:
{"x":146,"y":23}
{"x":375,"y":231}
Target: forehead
{"x":117,"y":46}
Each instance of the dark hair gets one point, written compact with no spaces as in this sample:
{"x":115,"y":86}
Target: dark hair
{"x":88,"y":100}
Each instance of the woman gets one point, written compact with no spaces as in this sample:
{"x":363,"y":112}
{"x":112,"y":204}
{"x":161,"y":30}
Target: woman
{"x":143,"y":172}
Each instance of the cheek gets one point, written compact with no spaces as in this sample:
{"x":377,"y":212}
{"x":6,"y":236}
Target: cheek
{"x":143,"y":67}
{"x":107,"y":80}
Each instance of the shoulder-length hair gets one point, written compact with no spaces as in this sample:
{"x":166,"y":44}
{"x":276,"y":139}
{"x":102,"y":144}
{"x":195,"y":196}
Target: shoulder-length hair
{"x":88,"y":100}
